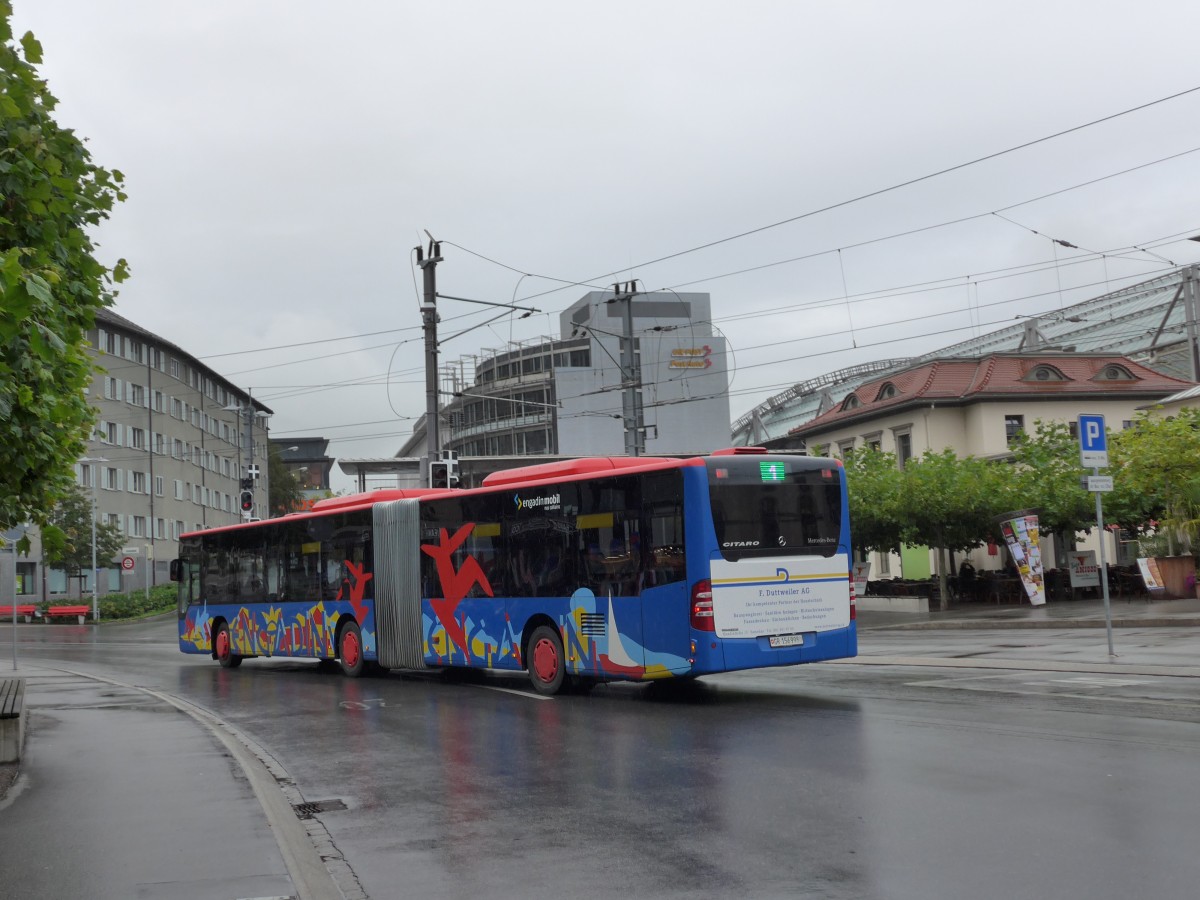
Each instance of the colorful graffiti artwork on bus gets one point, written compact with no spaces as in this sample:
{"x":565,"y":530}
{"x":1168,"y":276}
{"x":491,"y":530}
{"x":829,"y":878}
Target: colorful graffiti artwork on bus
{"x":592,"y":641}
{"x":485,"y":635}
{"x":263,"y":631}
{"x":456,"y":583}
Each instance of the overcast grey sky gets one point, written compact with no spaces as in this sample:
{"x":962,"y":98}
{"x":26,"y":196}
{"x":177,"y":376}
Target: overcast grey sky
{"x":283,"y":158}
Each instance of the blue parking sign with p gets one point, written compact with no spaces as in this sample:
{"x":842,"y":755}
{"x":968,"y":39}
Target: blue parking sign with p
{"x":1093,"y":442}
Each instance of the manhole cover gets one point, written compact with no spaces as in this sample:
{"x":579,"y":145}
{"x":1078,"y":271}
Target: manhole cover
{"x":308,"y":810}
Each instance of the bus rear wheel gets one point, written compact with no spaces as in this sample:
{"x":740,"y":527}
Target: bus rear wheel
{"x":350,"y":651}
{"x":547,"y":668}
{"x":223,"y":648}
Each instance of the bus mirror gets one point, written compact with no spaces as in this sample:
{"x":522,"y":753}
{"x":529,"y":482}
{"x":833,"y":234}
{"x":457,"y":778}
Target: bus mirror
{"x":177,"y":570}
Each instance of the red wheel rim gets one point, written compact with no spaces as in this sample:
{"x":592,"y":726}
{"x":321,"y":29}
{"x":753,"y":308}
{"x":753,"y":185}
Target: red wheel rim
{"x":223,"y":645}
{"x":545,"y":660}
{"x":350,"y":649}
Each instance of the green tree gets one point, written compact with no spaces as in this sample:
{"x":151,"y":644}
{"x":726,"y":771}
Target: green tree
{"x":51,"y":285}
{"x":1155,"y":466}
{"x":284,"y":495}
{"x":67,"y":535}
{"x":875,"y":483}
{"x":950,"y":504}
{"x":1048,"y":479}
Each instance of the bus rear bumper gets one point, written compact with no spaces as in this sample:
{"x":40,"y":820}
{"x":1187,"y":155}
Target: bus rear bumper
{"x":715,"y":654}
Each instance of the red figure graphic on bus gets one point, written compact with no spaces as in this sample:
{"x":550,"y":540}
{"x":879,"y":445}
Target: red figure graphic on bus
{"x":354,"y":590}
{"x":455,"y":584}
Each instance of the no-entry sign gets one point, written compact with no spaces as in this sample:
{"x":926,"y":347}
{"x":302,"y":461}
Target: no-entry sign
{"x":127,"y":563}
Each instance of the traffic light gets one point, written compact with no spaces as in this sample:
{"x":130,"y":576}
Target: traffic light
{"x":439,"y":474}
{"x":247,"y":501}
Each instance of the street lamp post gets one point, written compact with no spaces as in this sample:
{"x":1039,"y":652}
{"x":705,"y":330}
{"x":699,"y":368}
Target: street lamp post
{"x":95,"y":571}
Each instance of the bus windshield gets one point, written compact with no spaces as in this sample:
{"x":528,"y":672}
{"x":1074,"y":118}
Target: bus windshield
{"x":775,"y":506}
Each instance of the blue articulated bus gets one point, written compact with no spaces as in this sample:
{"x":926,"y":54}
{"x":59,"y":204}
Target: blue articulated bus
{"x":586,"y":570}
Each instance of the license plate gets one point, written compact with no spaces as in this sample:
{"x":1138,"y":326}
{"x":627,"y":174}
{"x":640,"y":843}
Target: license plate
{"x":786,"y":640}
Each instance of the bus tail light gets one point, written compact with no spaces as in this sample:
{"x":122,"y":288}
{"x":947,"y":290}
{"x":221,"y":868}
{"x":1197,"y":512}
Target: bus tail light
{"x":853,"y":600}
{"x":702,"y":606}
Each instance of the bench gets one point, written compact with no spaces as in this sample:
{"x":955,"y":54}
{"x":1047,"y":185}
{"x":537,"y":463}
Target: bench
{"x":79,"y":611}
{"x":12,"y":724}
{"x":25,"y":610}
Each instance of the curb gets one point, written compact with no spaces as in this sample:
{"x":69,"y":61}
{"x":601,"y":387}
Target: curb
{"x":1022,"y":665}
{"x":1024,"y":624}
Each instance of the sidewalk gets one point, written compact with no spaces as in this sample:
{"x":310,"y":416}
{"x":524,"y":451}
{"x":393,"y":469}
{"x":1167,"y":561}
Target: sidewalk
{"x":1131,"y":613}
{"x":124,"y":792}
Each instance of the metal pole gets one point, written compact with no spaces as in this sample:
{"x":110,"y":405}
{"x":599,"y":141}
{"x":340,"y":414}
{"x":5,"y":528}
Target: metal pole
{"x":14,"y":609}
{"x":1104,"y":570}
{"x":1190,"y":275}
{"x":95,"y":571}
{"x":630,"y":375}
{"x":429,"y":321}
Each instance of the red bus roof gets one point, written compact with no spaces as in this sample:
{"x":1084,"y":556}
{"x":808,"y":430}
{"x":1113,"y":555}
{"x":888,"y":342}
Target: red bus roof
{"x":565,"y":470}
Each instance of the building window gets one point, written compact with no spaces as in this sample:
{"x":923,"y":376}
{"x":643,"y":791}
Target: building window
{"x":887,"y":392}
{"x":176,"y":408}
{"x":1114,"y":373}
{"x":1014,"y":426}
{"x":885,"y":563}
{"x":111,"y":480}
{"x":1045,"y":373}
{"x":137,"y":395}
{"x":137,"y":438}
{"x":904,"y":449}
{"x":158,"y":485}
{"x":87,"y":478}
{"x":851,"y":402}
{"x":845,"y":447}
{"x":111,"y":390}
{"x":139,"y":526}
{"x":27,"y":578}
{"x":139,"y":483}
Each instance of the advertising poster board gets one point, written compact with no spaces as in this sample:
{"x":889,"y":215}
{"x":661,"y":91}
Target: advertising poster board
{"x":1020,"y":530}
{"x":1085,"y":573}
{"x":862,"y":572}
{"x":1150,"y":574}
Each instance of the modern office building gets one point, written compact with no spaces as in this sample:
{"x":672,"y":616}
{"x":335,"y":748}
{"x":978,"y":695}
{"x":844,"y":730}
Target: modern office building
{"x":175,"y":445}
{"x":578,"y":395}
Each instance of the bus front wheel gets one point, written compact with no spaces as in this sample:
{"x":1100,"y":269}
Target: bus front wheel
{"x":223,"y":648}
{"x":350,"y":651}
{"x":547,"y":668}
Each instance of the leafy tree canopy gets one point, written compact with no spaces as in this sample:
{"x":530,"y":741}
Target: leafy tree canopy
{"x":283,"y":485}
{"x":875,"y":484}
{"x":67,"y":536}
{"x":1155,"y":466}
{"x":1048,"y":474}
{"x":51,"y":285}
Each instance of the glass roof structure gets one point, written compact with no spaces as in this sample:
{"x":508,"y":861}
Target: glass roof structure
{"x":1148,"y":322}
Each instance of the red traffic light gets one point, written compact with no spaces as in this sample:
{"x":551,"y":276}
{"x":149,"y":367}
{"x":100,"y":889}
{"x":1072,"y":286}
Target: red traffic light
{"x":247,"y":501}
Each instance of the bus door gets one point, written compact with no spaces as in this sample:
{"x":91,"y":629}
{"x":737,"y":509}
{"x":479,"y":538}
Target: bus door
{"x":659,"y":577}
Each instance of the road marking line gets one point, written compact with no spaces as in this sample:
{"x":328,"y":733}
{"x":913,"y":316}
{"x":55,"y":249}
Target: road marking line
{"x":526,"y":694}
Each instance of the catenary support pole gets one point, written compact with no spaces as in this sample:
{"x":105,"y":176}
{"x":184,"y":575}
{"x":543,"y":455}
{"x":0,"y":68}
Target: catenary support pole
{"x":429,"y":322}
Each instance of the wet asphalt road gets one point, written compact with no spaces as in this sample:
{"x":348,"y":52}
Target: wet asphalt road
{"x":824,"y":781}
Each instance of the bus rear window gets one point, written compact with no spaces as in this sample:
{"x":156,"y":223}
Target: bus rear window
{"x":773,"y":507}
